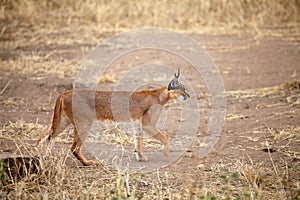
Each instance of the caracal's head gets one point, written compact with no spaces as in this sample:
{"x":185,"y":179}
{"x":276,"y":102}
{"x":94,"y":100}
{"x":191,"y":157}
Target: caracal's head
{"x":178,"y":88}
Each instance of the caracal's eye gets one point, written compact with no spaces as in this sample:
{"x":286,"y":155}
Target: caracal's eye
{"x":175,"y":84}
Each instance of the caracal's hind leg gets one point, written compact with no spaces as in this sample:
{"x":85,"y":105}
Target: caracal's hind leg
{"x":77,"y":146}
{"x":149,"y":120}
{"x":54,"y":129}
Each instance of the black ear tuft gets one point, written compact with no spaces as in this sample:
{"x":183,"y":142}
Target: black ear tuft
{"x":178,"y":74}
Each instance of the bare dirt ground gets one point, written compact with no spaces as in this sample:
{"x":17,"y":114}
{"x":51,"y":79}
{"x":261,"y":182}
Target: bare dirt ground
{"x":261,"y":130}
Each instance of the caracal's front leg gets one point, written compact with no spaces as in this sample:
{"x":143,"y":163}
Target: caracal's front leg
{"x":149,"y":120}
{"x":138,"y":147}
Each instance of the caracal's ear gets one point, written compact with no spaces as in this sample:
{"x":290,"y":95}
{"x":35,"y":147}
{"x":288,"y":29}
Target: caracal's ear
{"x":178,"y":74}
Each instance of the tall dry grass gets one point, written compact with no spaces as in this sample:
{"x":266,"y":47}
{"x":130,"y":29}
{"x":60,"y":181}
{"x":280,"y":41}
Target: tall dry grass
{"x":269,"y":17}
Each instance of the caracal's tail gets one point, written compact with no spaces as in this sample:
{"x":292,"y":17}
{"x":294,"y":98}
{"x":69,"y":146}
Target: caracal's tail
{"x":58,"y":123}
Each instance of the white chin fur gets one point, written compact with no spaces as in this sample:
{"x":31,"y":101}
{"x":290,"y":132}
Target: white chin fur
{"x":181,"y":98}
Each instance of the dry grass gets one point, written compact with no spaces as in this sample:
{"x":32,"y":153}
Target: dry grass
{"x":270,"y":17}
{"x":55,"y":179}
{"x":68,"y":23}
{"x":40,"y":64}
{"x":107,"y":78}
{"x":285,"y":141}
{"x":290,"y":91}
{"x":21,"y":130}
{"x":121,"y":136}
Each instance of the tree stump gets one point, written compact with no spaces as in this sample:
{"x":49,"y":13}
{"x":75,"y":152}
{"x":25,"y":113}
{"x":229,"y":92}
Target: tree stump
{"x":13,"y":168}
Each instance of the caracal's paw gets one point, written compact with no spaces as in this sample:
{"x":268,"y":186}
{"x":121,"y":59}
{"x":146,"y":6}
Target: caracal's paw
{"x":140,"y":157}
{"x":45,"y":141}
{"x":166,"y":150}
{"x":88,"y":162}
